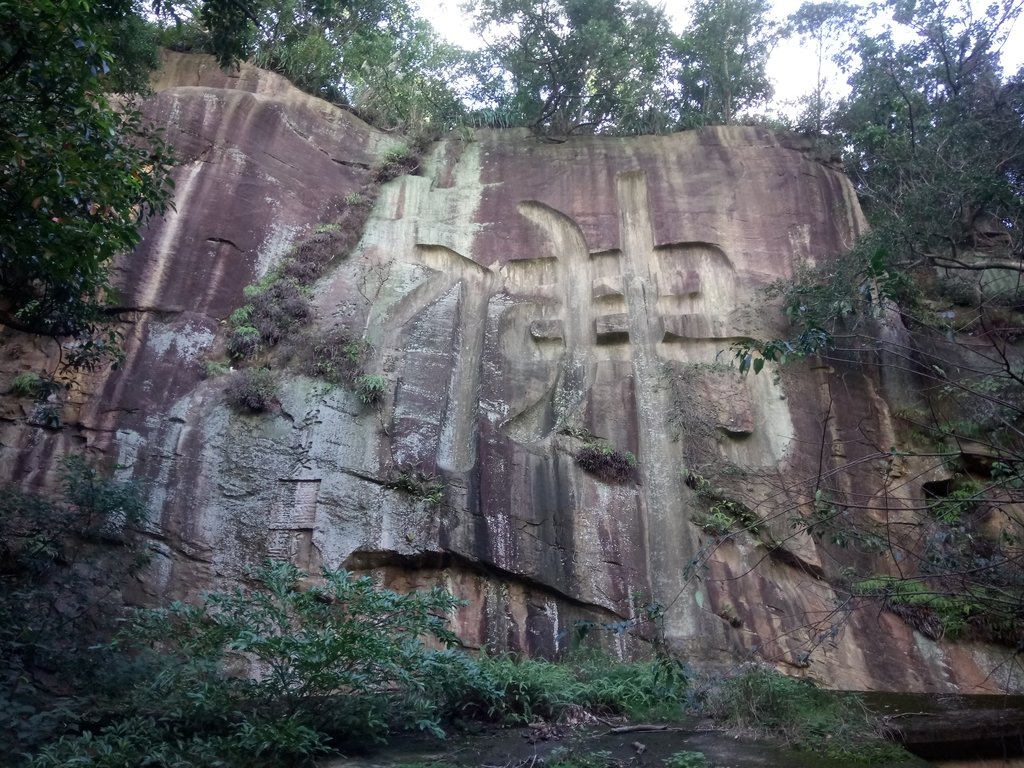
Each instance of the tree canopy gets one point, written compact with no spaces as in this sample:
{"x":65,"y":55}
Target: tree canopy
{"x":932,"y":136}
{"x":725,"y":55}
{"x":934,"y":131}
{"x":571,"y":65}
{"x":78,"y":171}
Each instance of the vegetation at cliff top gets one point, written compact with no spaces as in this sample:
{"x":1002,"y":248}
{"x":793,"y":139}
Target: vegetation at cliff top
{"x":78,"y":177}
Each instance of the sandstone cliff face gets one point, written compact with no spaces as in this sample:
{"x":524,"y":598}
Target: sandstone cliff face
{"x":523,"y":300}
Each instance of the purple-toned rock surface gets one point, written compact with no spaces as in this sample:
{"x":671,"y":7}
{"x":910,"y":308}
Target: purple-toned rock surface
{"x":524,"y":301}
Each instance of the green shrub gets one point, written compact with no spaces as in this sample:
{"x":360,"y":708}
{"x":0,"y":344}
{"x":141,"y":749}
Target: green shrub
{"x":252,"y":389}
{"x":243,"y":342}
{"x":687,"y":759}
{"x":397,"y":161}
{"x":273,"y":674}
{"x":138,"y":741}
{"x":276,"y":306}
{"x":521,"y":691}
{"x":937,"y":612}
{"x":241,"y":317}
{"x":308,"y":260}
{"x":370,"y":388}
{"x":724,"y":517}
{"x":761,"y":700}
{"x":715,"y":523}
{"x":953,"y":508}
{"x":562,"y":757}
{"x":278,"y":310}
{"x":62,"y":558}
{"x":418,"y":484}
{"x":721,"y":515}
{"x":213,"y":368}
{"x":30,"y":384}
{"x":338,"y":358}
{"x":600,"y":459}
{"x":46,"y":415}
{"x":255,"y":289}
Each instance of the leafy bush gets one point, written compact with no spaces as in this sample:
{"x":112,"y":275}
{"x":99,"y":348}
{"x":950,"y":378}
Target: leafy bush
{"x":397,"y":161}
{"x":29,"y":384}
{"x":521,"y":691}
{"x":418,"y":484}
{"x":274,"y":674}
{"x":242,"y":316}
{"x":687,"y":759}
{"x":951,"y":509}
{"x":213,"y":368}
{"x":244,"y":341}
{"x":275,"y":308}
{"x":370,"y":388}
{"x":252,"y":389}
{"x":138,"y":741}
{"x":286,"y":670}
{"x":721,"y":515}
{"x":761,"y":700}
{"x":724,"y":517}
{"x":278,"y":309}
{"x":46,"y":415}
{"x":60,"y":561}
{"x":307,"y":261}
{"x":562,"y":757}
{"x":600,"y":459}
{"x":337,"y":357}
{"x":936,"y":612}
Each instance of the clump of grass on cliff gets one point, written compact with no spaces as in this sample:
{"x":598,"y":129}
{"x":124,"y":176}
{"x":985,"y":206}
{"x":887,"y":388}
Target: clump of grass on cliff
{"x":252,"y":389}
{"x":278,"y":306}
{"x":600,"y":459}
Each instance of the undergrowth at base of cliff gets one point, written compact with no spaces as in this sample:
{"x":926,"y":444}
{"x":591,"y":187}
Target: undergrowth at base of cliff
{"x":286,"y":668}
{"x":289,"y":668}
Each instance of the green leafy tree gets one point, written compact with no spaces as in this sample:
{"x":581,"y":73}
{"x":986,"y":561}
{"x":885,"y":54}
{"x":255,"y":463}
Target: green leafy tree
{"x":828,"y":27}
{"x":930,"y":299}
{"x":567,"y":66}
{"x":79,"y":174}
{"x":406,"y":80}
{"x":229,"y":29}
{"x":272,"y":674}
{"x":375,"y":56}
{"x":936,"y":137}
{"x":322,"y":45}
{"x":724,"y":55}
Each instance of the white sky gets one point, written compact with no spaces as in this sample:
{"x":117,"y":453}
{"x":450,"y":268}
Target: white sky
{"x":792,"y":68}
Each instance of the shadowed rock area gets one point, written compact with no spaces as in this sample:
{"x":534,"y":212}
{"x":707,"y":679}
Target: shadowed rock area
{"x":524,"y":301}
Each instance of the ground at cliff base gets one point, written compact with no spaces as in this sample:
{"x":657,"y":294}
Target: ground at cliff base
{"x":690,"y":743}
